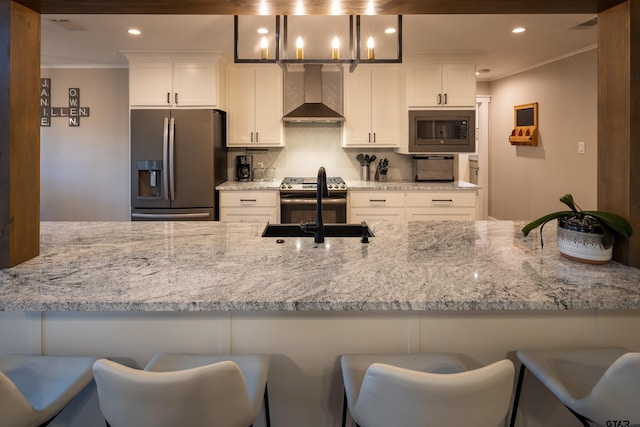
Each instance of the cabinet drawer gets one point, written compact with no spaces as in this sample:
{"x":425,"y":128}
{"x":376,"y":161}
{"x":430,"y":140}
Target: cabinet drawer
{"x":260,"y":215}
{"x":248,"y":198}
{"x":358,"y":215}
{"x":437,"y":199}
{"x":376,"y":199}
{"x":441,"y":214}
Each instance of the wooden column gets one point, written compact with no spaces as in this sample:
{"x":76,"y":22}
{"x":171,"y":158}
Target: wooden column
{"x":619,"y":120}
{"x":19,"y":133}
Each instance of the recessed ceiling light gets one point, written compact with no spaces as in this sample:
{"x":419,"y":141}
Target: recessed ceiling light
{"x":134,"y":31}
{"x":390,"y":30}
{"x":518,"y":30}
{"x":262,"y":30}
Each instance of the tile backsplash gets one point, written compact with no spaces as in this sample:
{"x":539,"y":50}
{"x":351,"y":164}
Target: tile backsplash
{"x":311,"y":145}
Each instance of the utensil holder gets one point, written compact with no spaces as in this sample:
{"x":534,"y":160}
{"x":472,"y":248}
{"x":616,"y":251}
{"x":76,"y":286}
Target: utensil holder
{"x":365,"y":173}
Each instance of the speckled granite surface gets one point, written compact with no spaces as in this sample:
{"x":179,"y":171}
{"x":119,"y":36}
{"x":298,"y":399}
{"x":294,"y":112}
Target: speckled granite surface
{"x":178,"y":266}
{"x":359,"y":185}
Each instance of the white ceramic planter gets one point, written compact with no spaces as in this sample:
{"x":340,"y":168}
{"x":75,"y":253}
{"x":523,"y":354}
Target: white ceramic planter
{"x":582,"y":242}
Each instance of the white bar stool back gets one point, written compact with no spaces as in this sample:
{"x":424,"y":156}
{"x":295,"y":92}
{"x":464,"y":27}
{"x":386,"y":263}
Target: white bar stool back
{"x":35,"y":388}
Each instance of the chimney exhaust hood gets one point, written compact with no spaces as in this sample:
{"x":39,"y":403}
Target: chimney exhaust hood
{"x":313,"y":95}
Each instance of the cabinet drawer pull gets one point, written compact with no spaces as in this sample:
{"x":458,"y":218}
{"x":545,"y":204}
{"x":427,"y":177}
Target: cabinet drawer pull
{"x":377,"y":200}
{"x":257,"y":136}
{"x":442,"y":201}
{"x":248,"y":200}
{"x":175,"y":98}
{"x":439,"y":98}
{"x":445,"y":99}
{"x":168,"y":98}
{"x":251,"y":136}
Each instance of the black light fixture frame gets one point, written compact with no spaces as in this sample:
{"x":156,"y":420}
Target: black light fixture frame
{"x":238,"y":60}
{"x":354,"y":45}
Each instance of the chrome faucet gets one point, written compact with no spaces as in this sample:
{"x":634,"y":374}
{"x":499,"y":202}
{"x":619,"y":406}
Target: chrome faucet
{"x":322,"y":190}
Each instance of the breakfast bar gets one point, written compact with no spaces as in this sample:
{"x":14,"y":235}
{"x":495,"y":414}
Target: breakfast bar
{"x":131,"y":289}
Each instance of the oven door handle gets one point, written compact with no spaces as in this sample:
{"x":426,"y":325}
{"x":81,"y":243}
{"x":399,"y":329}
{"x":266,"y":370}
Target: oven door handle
{"x":339,"y":201}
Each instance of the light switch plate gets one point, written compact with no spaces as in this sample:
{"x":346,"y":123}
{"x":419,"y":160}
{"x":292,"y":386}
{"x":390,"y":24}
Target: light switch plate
{"x":581,"y":147}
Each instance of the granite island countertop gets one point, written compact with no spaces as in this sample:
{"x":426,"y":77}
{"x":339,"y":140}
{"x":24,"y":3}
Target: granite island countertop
{"x":209,"y":266}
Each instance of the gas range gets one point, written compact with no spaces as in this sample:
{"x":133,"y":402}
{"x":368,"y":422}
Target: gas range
{"x":310,"y":184}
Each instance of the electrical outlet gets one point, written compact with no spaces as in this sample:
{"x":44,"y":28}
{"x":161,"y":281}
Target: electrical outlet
{"x":581,"y":147}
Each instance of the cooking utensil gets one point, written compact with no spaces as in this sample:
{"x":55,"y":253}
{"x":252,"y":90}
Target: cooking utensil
{"x":360,"y":158}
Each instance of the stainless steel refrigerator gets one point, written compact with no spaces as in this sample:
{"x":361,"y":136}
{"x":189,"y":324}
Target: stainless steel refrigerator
{"x":177,"y":159}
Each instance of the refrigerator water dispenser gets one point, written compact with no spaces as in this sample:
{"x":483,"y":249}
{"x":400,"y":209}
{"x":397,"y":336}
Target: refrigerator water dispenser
{"x":149,"y":178}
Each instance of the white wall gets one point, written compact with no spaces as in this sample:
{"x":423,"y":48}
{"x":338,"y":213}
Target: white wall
{"x":526,"y":182}
{"x":84,"y":171}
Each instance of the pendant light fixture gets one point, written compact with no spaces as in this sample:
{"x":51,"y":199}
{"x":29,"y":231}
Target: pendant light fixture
{"x":323,"y":45}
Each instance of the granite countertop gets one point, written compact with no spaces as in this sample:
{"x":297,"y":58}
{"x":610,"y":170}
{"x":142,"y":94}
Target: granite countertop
{"x":356,"y":185}
{"x":411,"y":186}
{"x":206,"y":266}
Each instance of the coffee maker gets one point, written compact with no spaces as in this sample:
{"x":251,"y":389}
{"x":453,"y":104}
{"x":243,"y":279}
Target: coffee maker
{"x":244,"y":168}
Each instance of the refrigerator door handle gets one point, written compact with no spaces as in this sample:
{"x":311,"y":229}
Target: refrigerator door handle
{"x":165,"y":162}
{"x":172,"y":187}
{"x":170,"y":216}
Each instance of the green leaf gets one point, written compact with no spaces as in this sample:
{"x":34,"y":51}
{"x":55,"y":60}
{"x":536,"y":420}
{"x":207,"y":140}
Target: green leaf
{"x":567,"y":199}
{"x":540,"y":222}
{"x":543,"y":220}
{"x":618,"y":224}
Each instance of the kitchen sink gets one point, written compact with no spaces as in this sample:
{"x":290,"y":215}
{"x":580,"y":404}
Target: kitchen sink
{"x":330,"y":230}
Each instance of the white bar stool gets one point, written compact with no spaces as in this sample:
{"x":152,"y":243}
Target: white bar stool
{"x":432,"y":389}
{"x":254,"y":367}
{"x":198,"y":397}
{"x":597,"y":384}
{"x":35,"y":388}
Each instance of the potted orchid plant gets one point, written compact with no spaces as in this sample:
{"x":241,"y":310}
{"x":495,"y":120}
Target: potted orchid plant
{"x":584,"y":235}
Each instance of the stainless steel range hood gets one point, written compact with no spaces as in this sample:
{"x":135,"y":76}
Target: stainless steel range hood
{"x":316,"y":95}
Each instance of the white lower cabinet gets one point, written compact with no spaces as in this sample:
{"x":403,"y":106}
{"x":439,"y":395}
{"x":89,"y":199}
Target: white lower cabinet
{"x":376,"y":206}
{"x":249,"y":206}
{"x":420,"y":206}
{"x":412,"y":206}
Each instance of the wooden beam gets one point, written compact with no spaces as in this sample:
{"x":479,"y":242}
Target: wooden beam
{"x":19,"y":134}
{"x":619,"y":121}
{"x":320,"y":7}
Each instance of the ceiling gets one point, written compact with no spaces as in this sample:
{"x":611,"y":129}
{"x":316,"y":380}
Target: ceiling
{"x":475,"y":30}
{"x":484,"y":39}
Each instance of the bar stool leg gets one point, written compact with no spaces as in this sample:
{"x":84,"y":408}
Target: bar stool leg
{"x":516,"y":398}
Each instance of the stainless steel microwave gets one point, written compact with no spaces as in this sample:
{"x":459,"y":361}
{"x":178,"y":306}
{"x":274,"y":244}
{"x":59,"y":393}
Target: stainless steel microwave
{"x":442,"y":131}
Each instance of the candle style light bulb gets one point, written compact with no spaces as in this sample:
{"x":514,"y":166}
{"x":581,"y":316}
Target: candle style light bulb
{"x":264,"y":48}
{"x":370,"y":48}
{"x":335,"y":48}
{"x":299,"y":46}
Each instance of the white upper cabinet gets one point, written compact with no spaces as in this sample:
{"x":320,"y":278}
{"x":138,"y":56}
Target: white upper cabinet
{"x":441,"y":85}
{"x":164,"y":80}
{"x":195,"y":83}
{"x":255,"y":106}
{"x":371,"y":101}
